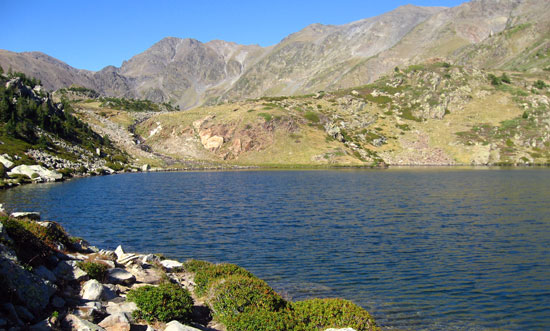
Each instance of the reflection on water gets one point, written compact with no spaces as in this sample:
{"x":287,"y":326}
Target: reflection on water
{"x":433,"y":249}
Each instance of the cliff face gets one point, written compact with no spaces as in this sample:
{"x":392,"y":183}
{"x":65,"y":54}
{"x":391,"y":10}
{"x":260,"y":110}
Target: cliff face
{"x":508,"y":34}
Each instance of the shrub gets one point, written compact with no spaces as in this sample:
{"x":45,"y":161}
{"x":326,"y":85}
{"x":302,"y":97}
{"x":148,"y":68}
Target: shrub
{"x":196,"y":265}
{"x":267,"y":117}
{"x":312,"y":117}
{"x":505,"y":79}
{"x":237,"y":294}
{"x":204,"y":278}
{"x":540,"y":84}
{"x":495,"y":81}
{"x":262,"y":320}
{"x":95,"y":270}
{"x":320,"y":314}
{"x":28,"y":247}
{"x":164,"y":303}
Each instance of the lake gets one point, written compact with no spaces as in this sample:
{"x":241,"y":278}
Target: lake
{"x":421,"y":249}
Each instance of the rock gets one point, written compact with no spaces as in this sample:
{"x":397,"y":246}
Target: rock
{"x":344,"y":329}
{"x":126,"y":307}
{"x":119,"y":252}
{"x":32,"y":215}
{"x":150,"y":258}
{"x":57,"y":302}
{"x":3,"y":322}
{"x":4,"y":235}
{"x":73,"y":322}
{"x":147,"y":276}
{"x":128,"y":258}
{"x":145,"y":167}
{"x":92,"y":290}
{"x":24,"y":313}
{"x":43,"y":325}
{"x":177,"y":326}
{"x":169,"y":265}
{"x":45,"y":273}
{"x":5,"y":159}
{"x":12,"y":313}
{"x":117,"y":321}
{"x":120,"y":276}
{"x":43,"y":173}
{"x":29,"y":289}
{"x":66,"y":271}
{"x":90,"y":310}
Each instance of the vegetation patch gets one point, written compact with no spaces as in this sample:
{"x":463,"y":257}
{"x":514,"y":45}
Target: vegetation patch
{"x":267,"y":117}
{"x":95,"y":270}
{"x":312,"y":117}
{"x":163,"y":303}
{"x":207,"y":275}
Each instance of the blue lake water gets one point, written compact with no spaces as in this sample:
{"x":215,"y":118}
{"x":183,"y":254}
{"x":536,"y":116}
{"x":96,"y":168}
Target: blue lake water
{"x":421,"y":249}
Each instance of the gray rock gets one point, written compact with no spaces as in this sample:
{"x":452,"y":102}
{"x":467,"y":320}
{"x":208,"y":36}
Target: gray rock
{"x":119,"y":321}
{"x":5,"y":159}
{"x":67,"y":271}
{"x":45,"y":273}
{"x":126,"y":307}
{"x":43,"y":173}
{"x":32,"y":215}
{"x":31,"y":290}
{"x":169,"y":265}
{"x":150,"y":258}
{"x":90,"y":310}
{"x":12,"y":313}
{"x":92,"y":290}
{"x":177,"y":326}
{"x":120,"y":276}
{"x":57,"y":302}
{"x":43,"y":325}
{"x":74,"y":322}
{"x":24,"y":313}
{"x":3,"y":322}
{"x":4,"y":234}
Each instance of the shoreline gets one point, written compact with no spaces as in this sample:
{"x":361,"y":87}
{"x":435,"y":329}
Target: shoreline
{"x":51,"y":280}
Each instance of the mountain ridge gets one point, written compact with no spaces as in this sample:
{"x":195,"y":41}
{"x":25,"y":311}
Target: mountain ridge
{"x":189,"y":73}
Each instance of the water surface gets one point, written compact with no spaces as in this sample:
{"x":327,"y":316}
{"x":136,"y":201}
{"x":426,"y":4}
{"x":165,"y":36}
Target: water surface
{"x":421,"y":249}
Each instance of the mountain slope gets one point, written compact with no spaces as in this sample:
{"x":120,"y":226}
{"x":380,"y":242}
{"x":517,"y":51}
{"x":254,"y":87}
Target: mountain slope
{"x":504,"y":34}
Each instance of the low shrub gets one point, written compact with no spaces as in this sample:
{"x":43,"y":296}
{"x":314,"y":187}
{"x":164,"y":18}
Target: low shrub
{"x":193,"y":265}
{"x":95,"y":270}
{"x":312,"y":117}
{"x":30,"y":249}
{"x":262,"y":320}
{"x":320,"y":314}
{"x":205,"y":277}
{"x":163,"y":303}
{"x":237,"y":294}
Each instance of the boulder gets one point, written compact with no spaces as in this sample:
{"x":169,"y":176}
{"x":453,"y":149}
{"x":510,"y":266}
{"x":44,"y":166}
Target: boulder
{"x":73,"y":322}
{"x":45,"y":273}
{"x":57,"y":302}
{"x":117,"y":321}
{"x":119,"y":252}
{"x":147,"y":276}
{"x":43,"y":173}
{"x":29,"y":289}
{"x":67,"y":271}
{"x":92,"y":290}
{"x":170,"y":265}
{"x":24,"y":313}
{"x":5,"y":159}
{"x":145,"y":167}
{"x":12,"y":313}
{"x":32,"y":215}
{"x":177,"y":326}
{"x":126,"y":307}
{"x":120,"y":276}
{"x":43,"y":325}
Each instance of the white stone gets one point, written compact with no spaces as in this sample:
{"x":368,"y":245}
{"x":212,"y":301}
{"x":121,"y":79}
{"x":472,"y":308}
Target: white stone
{"x":177,"y":326}
{"x":43,"y":173}
{"x":32,"y":215}
{"x":171,"y":264}
{"x":145,"y":167}
{"x":77,"y":323}
{"x":118,"y":321}
{"x":119,"y":252}
{"x":5,"y":159}
{"x":92,"y":290}
{"x":120,"y":276}
{"x":126,"y":307}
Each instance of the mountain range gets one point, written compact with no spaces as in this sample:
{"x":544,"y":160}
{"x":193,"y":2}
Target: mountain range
{"x":488,"y":34}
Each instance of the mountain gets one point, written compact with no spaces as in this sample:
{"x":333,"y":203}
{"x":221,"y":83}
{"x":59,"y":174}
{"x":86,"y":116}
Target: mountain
{"x":504,"y":34}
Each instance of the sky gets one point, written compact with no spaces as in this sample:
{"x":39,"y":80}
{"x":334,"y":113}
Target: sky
{"x":94,"y":34}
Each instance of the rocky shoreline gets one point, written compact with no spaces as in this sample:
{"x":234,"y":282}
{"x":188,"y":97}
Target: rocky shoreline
{"x":50,"y":280}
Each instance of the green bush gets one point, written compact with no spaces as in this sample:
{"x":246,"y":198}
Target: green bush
{"x":540,"y":84}
{"x":237,"y":294}
{"x":262,"y":320}
{"x":29,"y":248}
{"x":95,"y":270}
{"x":312,"y":117}
{"x":204,"y":278}
{"x":495,"y":81}
{"x":164,"y":303}
{"x":267,"y":117}
{"x":505,"y":79}
{"x":193,"y":265}
{"x":320,"y":314}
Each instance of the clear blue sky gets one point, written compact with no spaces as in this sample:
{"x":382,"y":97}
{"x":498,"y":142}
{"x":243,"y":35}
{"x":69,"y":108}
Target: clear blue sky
{"x":93,"y":34}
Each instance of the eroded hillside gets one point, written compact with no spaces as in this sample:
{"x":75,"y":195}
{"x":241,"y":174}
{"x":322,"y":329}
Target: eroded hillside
{"x":430,"y":114}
